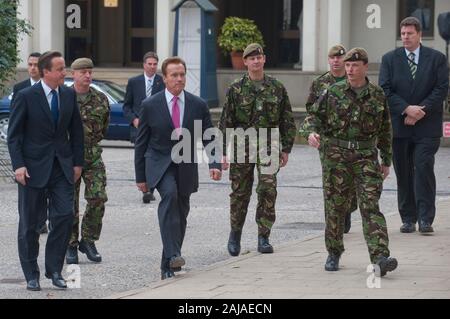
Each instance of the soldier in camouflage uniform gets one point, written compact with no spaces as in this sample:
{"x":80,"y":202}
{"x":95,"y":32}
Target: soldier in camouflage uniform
{"x":350,"y":123}
{"x":256,"y":101}
{"x":94,"y":109}
{"x":319,"y":85}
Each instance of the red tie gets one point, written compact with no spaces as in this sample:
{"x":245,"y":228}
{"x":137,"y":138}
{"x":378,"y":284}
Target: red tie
{"x":176,"y":114}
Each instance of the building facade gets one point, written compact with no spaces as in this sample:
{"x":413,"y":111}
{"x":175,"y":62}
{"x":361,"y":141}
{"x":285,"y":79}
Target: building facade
{"x":297,"y":33}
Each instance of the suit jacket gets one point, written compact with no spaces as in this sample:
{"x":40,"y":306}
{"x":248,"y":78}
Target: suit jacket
{"x":429,"y":89}
{"x":134,"y":96}
{"x":35,"y":142}
{"x":154,"y":145}
{"x":18,"y":87}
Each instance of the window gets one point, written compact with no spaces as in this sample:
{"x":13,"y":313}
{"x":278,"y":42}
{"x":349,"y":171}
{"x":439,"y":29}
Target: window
{"x":422,"y":10}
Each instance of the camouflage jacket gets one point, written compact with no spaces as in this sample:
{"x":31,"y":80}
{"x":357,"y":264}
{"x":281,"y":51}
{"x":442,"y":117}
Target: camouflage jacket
{"x":94,"y":110}
{"x":342,"y":114}
{"x":318,"y":86}
{"x":267,"y":107}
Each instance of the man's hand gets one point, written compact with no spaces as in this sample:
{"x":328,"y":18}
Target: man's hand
{"x":314,"y":140}
{"x":385,"y":171}
{"x":21,"y":174}
{"x":142,"y":187}
{"x":136,"y":122}
{"x":77,"y":173}
{"x":415,"y":111}
{"x":225,"y":164}
{"x":215,"y":174}
{"x":284,"y":158}
{"x":410,"y":120}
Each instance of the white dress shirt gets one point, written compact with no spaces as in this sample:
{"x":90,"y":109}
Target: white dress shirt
{"x":416,"y":54}
{"x":169,"y":97}
{"x":49,"y":95}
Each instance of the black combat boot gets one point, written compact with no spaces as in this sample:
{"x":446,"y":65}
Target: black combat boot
{"x":386,"y":264}
{"x":263,"y":245}
{"x":332,"y":263}
{"x":234,"y":243}
{"x":72,"y":255}
{"x":90,"y":250}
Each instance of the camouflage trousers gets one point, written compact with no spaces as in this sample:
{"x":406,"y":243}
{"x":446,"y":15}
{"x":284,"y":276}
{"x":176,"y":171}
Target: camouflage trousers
{"x":242,"y":176}
{"x":344,"y":170}
{"x":94,"y":178}
{"x":353,"y":202}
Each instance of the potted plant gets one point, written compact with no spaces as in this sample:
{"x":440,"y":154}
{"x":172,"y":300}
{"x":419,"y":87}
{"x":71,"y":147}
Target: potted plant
{"x":235,"y":34}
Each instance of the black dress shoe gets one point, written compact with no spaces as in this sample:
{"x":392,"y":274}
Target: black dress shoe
{"x":408,"y":228}
{"x":57,"y":280}
{"x":347,"y":223}
{"x":72,"y":255}
{"x":234,"y":243}
{"x":33,"y":285}
{"x":167,"y":274}
{"x":386,"y":264}
{"x":43,"y":229}
{"x":148,"y":197}
{"x":425,"y":228}
{"x":176,"y":262}
{"x":332,"y":263}
{"x":90,"y":250}
{"x":263,"y":245}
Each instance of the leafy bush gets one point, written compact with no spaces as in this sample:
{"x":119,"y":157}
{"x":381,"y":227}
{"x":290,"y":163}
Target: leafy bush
{"x":236,"y":33}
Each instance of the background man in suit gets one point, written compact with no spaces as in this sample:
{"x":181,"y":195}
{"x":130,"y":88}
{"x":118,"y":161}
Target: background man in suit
{"x":161,"y":114}
{"x":138,"y":89}
{"x":415,"y":81}
{"x":45,"y":141}
{"x":33,"y":72}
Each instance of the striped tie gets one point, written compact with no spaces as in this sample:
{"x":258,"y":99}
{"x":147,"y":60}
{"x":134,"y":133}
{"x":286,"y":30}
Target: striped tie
{"x":148,"y":90}
{"x":412,"y":64}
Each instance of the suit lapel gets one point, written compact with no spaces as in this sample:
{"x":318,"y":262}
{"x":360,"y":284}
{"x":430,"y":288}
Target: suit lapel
{"x":164,"y":109}
{"x":422,"y":66}
{"x":142,"y":87}
{"x":403,"y":61}
{"x":43,"y":103}
{"x":187,"y":109}
{"x":63,"y":104}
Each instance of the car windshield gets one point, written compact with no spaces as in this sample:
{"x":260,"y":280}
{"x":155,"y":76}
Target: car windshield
{"x":114,"y":90}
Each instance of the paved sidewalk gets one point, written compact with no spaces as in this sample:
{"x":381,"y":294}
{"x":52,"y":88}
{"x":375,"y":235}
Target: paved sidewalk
{"x":296,"y":270}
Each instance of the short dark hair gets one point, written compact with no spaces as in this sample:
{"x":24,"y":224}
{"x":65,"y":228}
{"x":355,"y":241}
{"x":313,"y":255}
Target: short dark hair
{"x":34,"y":55}
{"x":411,"y":21}
{"x":172,"y":60}
{"x":45,"y":61}
{"x":149,"y":55}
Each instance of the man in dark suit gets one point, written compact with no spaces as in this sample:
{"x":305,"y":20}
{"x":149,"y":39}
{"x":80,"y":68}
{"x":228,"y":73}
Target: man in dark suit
{"x":162,"y":118}
{"x":33,"y":72}
{"x":138,"y":89}
{"x":45,"y":141}
{"x":415,"y":81}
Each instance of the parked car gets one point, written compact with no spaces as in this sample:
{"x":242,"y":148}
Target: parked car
{"x":119,"y":128}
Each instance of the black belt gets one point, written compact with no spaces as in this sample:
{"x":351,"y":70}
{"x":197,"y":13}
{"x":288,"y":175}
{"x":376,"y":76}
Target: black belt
{"x":351,"y":145}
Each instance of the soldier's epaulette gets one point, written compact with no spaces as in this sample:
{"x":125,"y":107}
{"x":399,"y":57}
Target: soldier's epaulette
{"x":322,"y":75}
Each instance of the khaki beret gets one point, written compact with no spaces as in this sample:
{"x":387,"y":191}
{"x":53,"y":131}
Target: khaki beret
{"x":357,"y":54}
{"x":253,"y":49}
{"x":336,"y":50}
{"x":82,"y":63}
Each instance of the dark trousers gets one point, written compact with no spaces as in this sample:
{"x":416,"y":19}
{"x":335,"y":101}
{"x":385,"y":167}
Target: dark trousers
{"x":32,"y":206}
{"x":416,"y":183}
{"x":172,"y":215}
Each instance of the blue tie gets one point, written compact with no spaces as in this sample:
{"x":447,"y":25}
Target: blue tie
{"x":55,"y":107}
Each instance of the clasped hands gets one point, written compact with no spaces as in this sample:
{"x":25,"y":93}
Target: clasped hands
{"x":413,"y":113}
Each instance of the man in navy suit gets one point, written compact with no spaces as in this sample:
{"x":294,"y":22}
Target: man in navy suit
{"x":138,"y":89}
{"x":33,"y":72}
{"x":162,"y":117}
{"x":45,"y":141}
{"x":415,"y":81}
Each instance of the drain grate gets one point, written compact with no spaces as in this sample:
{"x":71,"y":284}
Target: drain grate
{"x":13,"y":281}
{"x":302,"y":226}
